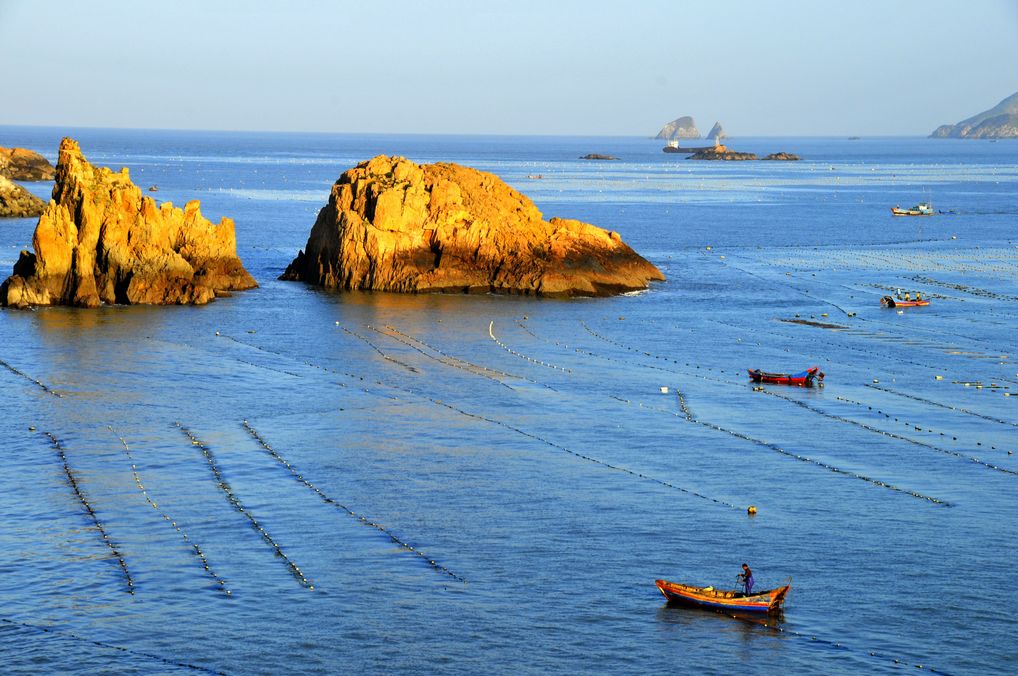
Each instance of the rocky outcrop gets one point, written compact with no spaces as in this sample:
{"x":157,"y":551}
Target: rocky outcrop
{"x":16,"y":202}
{"x":721,"y":153}
{"x":20,"y":164}
{"x":1001,"y":121}
{"x":783,"y":156}
{"x":393,"y":225}
{"x":717,"y":132}
{"x":682,"y":127}
{"x":598,"y":156}
{"x":100,"y":241}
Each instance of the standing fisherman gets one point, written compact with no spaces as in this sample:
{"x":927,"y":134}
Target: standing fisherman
{"x":746,"y":577}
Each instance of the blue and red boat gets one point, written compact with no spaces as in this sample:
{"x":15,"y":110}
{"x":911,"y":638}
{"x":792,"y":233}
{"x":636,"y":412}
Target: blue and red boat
{"x":769,"y":601}
{"x":808,"y":378}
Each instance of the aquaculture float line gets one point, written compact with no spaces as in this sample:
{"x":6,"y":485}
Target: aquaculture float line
{"x":377,"y":349}
{"x":906,"y":423}
{"x":491,"y":334}
{"x":111,"y":646}
{"x":310,"y":364}
{"x":335,"y":503}
{"x":688,"y":414}
{"x":829,"y":643}
{"x":577,"y":454}
{"x":454,"y":362}
{"x":946,"y":406}
{"x":193,"y":546}
{"x":91,"y":512}
{"x":45,"y":388}
{"x":235,"y":501}
{"x":899,"y":437}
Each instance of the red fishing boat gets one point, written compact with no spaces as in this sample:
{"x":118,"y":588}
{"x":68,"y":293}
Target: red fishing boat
{"x":808,"y":378}
{"x":769,"y":601}
{"x":907,"y":301}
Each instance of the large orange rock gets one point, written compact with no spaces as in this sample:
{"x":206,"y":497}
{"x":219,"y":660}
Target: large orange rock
{"x":100,"y":241}
{"x":393,"y":225}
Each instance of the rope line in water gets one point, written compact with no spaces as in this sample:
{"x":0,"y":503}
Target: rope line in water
{"x":582,"y":456}
{"x":412,"y":369}
{"x":453,"y":361}
{"x":491,"y":334}
{"x":945,"y":406}
{"x":688,"y":414}
{"x":829,"y":643}
{"x":45,"y":388}
{"x":59,"y":448}
{"x":110,"y":646}
{"x":193,"y":546}
{"x":332,"y":501}
{"x":892,"y":435}
{"x":239,"y":506}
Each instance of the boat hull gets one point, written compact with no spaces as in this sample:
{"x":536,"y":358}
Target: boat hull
{"x":769,"y":601}
{"x":801,"y":379}
{"x":890,"y":301}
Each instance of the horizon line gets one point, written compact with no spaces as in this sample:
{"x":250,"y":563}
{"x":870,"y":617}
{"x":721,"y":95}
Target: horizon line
{"x":405,"y":133}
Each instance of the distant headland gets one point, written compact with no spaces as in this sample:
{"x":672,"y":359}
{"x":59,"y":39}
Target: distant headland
{"x":1001,"y":121}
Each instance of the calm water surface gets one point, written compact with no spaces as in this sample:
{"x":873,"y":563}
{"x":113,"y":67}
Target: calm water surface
{"x":523,"y":448}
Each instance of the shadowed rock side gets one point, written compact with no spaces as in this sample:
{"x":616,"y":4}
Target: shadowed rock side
{"x":99,"y":241}
{"x":16,"y":202}
{"x":20,"y":164}
{"x":392,"y":225}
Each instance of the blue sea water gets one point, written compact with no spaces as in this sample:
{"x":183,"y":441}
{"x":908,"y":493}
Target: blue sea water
{"x":523,"y":447}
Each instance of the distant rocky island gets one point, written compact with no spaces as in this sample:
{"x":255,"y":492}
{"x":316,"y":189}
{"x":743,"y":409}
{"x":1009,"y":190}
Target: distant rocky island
{"x":1001,"y":121}
{"x":21,"y":164}
{"x":16,"y":202}
{"x":682,"y":127}
{"x":720,"y":152}
{"x":393,"y":225}
{"x":717,"y":132}
{"x":598,"y":156}
{"x":99,"y":241}
{"x":783,"y":157}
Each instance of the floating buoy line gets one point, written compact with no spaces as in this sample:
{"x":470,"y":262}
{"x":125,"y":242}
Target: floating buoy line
{"x":335,"y":503}
{"x":582,"y":456}
{"x":412,"y":369}
{"x":813,"y":638}
{"x":238,"y":505}
{"x":110,"y":646}
{"x":455,"y":362}
{"x":59,"y":448}
{"x":959,"y":409}
{"x":311,"y":364}
{"x":689,"y":416}
{"x":191,"y":544}
{"x":43,"y":386}
{"x":491,"y":334}
{"x":892,"y":435}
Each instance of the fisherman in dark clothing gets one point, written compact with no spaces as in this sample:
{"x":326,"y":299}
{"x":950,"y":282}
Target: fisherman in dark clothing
{"x":746,"y":577}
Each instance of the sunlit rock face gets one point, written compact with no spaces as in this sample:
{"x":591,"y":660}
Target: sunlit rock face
{"x":393,"y":225}
{"x":100,"y":241}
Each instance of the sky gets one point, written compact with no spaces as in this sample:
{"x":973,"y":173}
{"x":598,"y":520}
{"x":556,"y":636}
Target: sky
{"x":592,"y":67}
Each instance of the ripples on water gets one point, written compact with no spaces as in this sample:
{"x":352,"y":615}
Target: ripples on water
{"x":477,"y":481}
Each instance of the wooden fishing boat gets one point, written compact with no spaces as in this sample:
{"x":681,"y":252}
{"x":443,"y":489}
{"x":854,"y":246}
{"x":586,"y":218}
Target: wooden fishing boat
{"x":806,"y":378}
{"x":921,"y":209}
{"x":769,"y":601}
{"x":892,"y":301}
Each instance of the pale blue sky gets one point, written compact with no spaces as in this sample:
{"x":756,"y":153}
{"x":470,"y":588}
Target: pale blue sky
{"x":513,"y":67}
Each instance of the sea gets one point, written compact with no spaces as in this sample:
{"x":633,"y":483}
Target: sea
{"x":291,"y":480}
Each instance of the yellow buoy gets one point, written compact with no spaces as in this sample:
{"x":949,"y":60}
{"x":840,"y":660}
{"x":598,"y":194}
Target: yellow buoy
{"x":751,"y":510}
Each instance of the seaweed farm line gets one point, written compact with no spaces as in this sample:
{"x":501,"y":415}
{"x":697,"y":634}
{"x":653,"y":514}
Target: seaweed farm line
{"x":294,"y":481}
